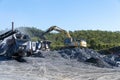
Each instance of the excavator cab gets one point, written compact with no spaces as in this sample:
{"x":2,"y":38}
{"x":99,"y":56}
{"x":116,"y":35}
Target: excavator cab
{"x":68,"y":41}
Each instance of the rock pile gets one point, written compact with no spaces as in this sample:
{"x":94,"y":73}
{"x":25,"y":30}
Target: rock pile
{"x":88,"y":56}
{"x":85,"y":55}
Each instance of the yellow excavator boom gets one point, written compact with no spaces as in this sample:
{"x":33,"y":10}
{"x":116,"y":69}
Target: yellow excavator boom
{"x":56,"y":29}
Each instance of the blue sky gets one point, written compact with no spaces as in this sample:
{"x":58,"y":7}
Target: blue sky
{"x":67,"y":14}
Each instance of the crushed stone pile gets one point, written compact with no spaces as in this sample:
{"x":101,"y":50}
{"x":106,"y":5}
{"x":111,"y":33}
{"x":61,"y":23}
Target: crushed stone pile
{"x":112,"y":53}
{"x":85,"y":55}
{"x":88,"y":55}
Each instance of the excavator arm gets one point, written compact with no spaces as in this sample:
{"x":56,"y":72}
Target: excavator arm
{"x":68,"y":40}
{"x":42,"y":36}
{"x":62,"y":31}
{"x":56,"y":29}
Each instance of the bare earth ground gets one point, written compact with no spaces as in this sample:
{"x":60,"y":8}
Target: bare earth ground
{"x":53,"y":67}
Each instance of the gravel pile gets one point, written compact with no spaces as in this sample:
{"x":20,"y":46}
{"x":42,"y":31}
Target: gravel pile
{"x":88,"y":56}
{"x":85,"y":55}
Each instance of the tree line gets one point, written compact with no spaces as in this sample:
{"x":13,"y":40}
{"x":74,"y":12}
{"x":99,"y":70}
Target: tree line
{"x":96,"y":39}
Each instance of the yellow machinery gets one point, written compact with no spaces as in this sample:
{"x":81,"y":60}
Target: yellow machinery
{"x":69,"y":40}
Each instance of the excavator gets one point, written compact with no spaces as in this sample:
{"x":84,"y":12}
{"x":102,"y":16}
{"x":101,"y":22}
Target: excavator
{"x":69,"y":42}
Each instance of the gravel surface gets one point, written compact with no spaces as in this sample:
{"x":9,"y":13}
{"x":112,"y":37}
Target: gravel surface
{"x":51,"y":66}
